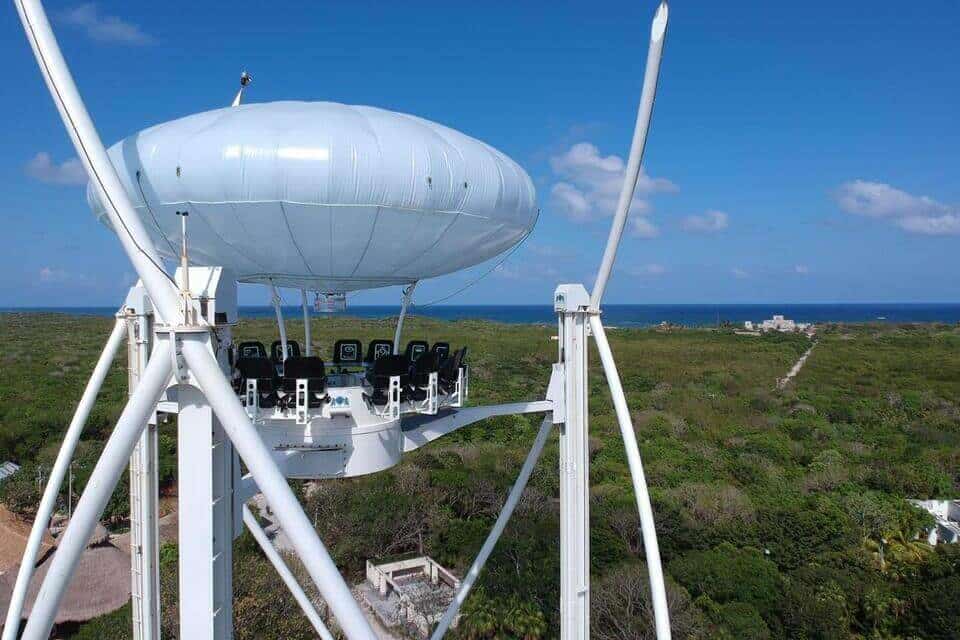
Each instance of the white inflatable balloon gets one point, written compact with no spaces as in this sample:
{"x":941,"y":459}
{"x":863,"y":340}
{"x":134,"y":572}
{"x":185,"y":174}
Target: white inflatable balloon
{"x":324,"y":196}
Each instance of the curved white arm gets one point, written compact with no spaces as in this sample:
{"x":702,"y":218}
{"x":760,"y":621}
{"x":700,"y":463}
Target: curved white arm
{"x":60,"y":467}
{"x":658,"y":593}
{"x":644,"y":113}
{"x":128,"y":226}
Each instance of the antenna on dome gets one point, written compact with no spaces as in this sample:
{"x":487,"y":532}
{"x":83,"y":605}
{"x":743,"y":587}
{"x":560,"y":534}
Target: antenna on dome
{"x":245,"y":79}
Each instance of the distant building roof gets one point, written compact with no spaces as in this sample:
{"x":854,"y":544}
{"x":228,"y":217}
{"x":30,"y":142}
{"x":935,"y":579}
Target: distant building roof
{"x":7,"y":469}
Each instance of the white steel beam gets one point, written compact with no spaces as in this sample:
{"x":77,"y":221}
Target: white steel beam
{"x":571,"y":302}
{"x":144,"y":483}
{"x":49,"y":500}
{"x":273,"y":485}
{"x":285,"y":574}
{"x":420,"y":430}
{"x":205,"y":465}
{"x":163,"y":293}
{"x":113,"y":460}
{"x":512,"y":499}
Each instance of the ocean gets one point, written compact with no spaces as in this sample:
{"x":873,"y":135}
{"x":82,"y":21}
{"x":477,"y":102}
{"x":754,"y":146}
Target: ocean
{"x":620,"y":315}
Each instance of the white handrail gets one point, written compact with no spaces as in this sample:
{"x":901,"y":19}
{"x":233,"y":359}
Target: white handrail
{"x":644,"y":113}
{"x":60,"y":467}
{"x":277,"y":301}
{"x":404,"y":305}
{"x":285,"y":574}
{"x":512,"y":499}
{"x":658,"y":593}
{"x":307,"y":337}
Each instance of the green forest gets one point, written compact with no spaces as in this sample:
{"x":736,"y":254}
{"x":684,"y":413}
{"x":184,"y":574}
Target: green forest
{"x":781,"y":513}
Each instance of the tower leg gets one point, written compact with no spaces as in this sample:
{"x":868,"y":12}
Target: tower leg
{"x":206,"y":521}
{"x":571,"y":302}
{"x":144,"y":498}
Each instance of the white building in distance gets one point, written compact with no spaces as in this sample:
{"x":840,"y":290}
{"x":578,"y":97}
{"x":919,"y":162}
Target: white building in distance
{"x":947,"y":515}
{"x":778,"y":323}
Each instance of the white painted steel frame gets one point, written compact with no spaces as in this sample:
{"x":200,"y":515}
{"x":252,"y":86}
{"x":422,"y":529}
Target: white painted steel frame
{"x":49,"y":500}
{"x":574,"y":474}
{"x":205,"y":468}
{"x":144,"y":482}
{"x":136,"y":243}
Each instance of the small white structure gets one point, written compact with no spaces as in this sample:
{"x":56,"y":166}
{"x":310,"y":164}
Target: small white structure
{"x":412,"y":592}
{"x":778,"y":323}
{"x":947,"y":515}
{"x":7,"y":469}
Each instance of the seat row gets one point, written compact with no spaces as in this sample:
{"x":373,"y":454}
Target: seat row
{"x":346,"y":353}
{"x":275,"y":379}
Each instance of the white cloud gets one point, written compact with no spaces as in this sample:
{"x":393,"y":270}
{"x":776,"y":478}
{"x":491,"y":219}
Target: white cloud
{"x":104,"y":28}
{"x":42,"y":167}
{"x":946,"y":225}
{"x":643,"y":228}
{"x":588,"y":184}
{"x":54,"y":275}
{"x":709,"y":222}
{"x":739,"y":273}
{"x":526,"y":271}
{"x":647,"y":270}
{"x":915,"y":214}
{"x":802,"y":269}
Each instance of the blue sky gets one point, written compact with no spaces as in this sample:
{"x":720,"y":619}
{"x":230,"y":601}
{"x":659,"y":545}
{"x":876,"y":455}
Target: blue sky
{"x":800,"y":152}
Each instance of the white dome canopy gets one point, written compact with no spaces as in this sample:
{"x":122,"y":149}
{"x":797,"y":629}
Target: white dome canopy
{"x":323,"y":196}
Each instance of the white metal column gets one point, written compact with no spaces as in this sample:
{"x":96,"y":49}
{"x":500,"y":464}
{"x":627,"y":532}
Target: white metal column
{"x":205,"y":463}
{"x":144,"y":497}
{"x":571,"y":302}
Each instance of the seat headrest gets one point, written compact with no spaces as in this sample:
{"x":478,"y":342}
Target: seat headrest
{"x":347,"y":351}
{"x":255,"y":367}
{"x":276,"y":350}
{"x":304,"y":367}
{"x":391,"y":365}
{"x":251,"y":349}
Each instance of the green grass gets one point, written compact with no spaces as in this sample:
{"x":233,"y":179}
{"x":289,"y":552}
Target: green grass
{"x":771,"y":505}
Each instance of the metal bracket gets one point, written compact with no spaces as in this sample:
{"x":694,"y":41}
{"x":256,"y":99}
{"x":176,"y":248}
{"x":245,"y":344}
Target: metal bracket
{"x":555,"y":393}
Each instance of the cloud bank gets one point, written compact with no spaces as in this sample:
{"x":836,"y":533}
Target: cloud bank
{"x":914,"y":214}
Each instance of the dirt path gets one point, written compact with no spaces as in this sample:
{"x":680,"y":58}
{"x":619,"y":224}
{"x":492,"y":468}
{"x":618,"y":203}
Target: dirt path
{"x":784,"y":381}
